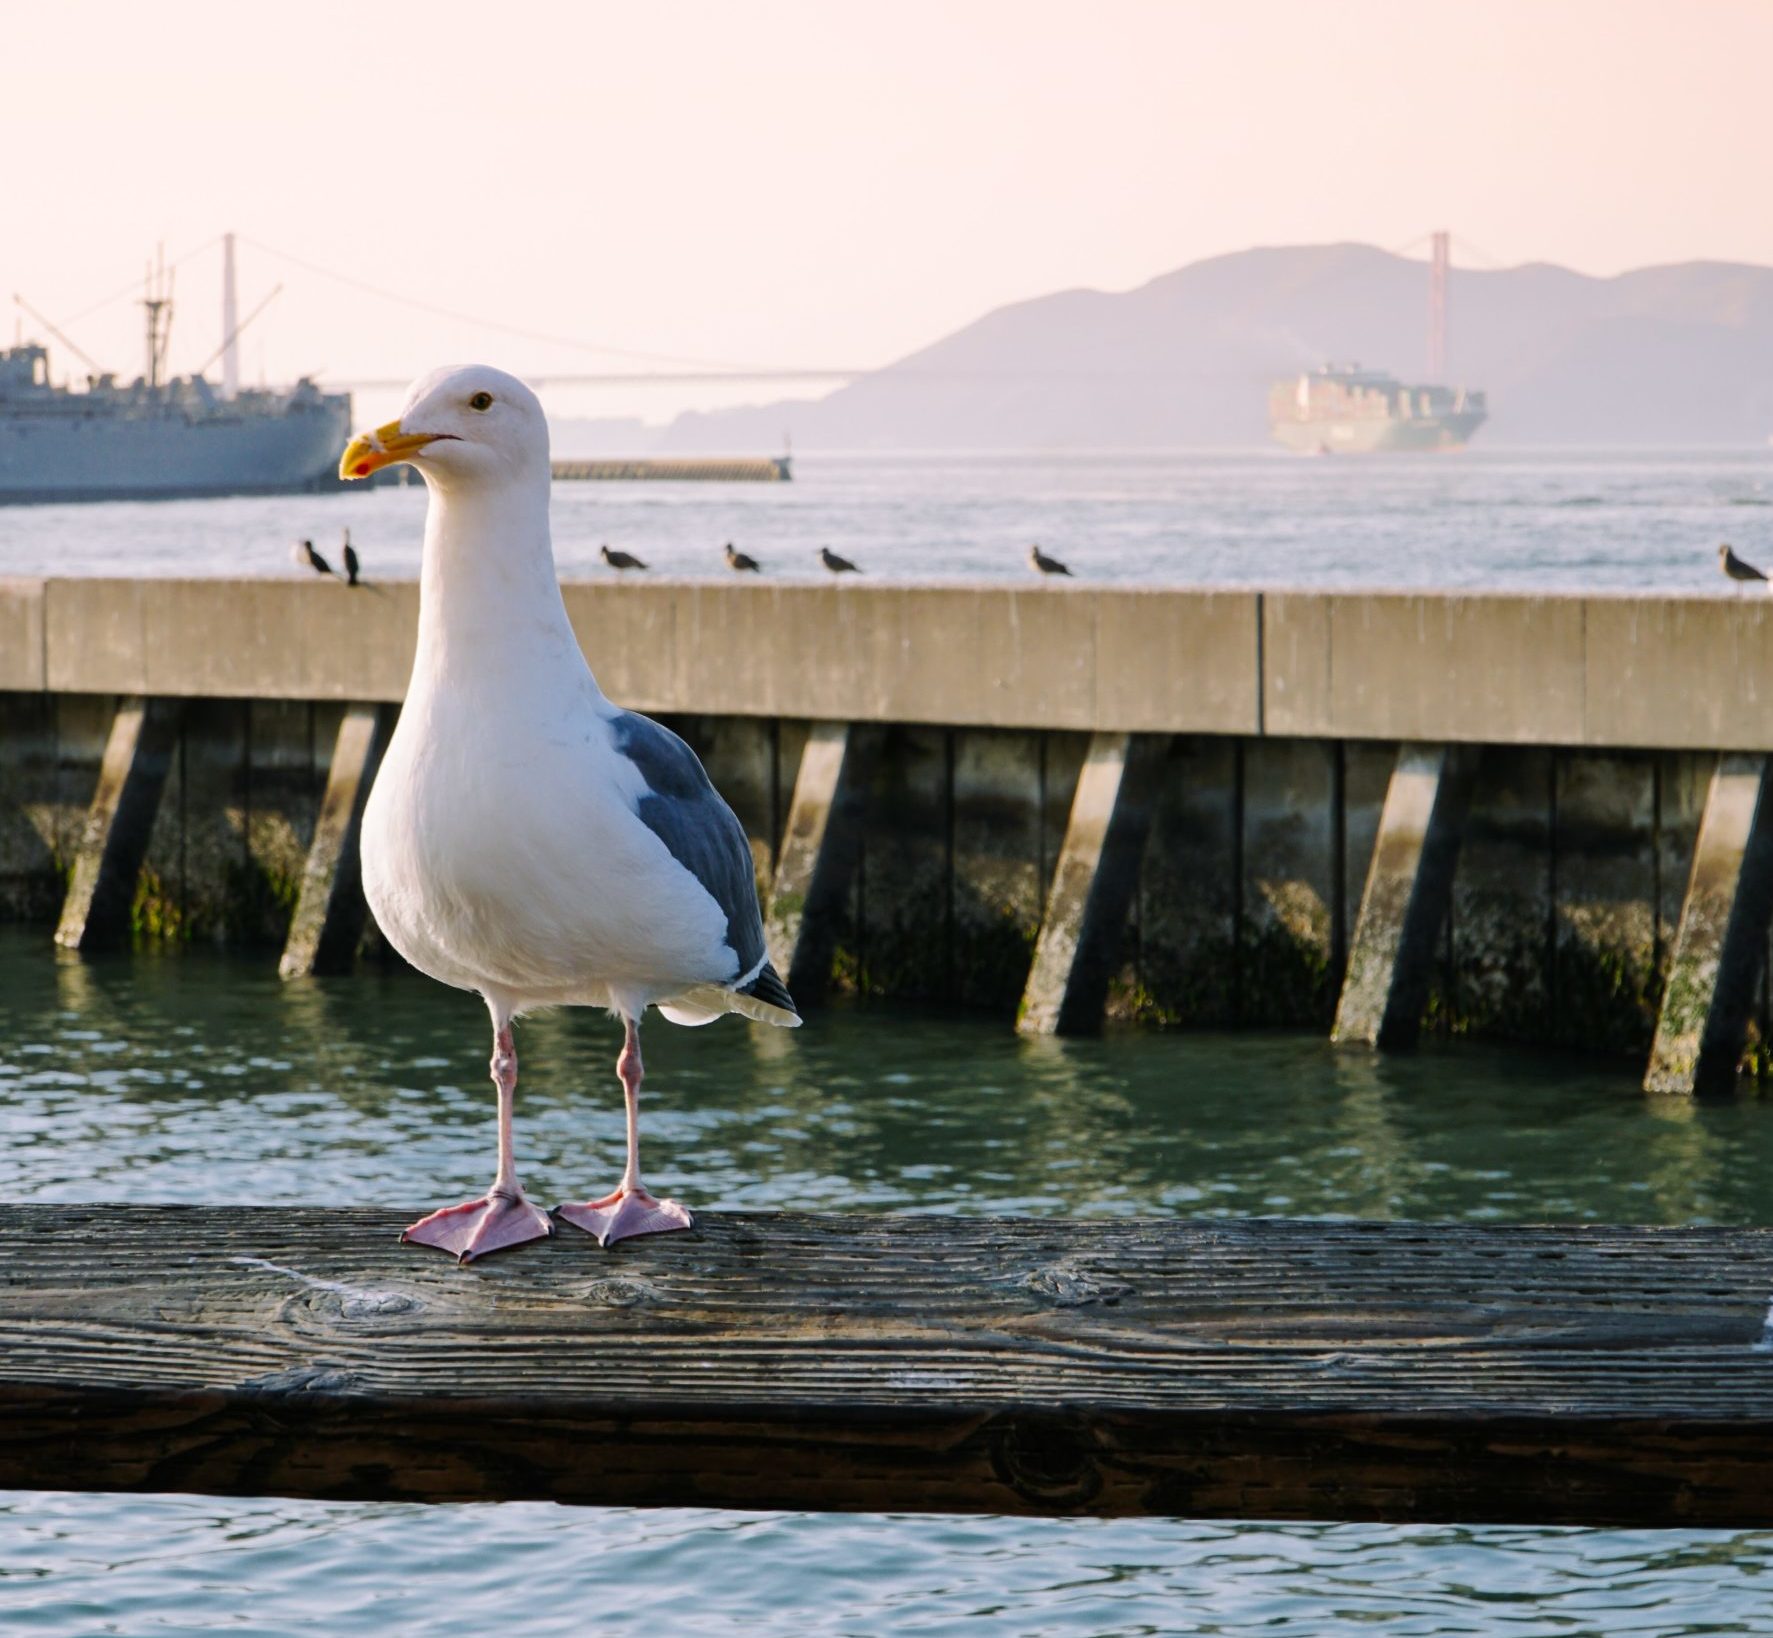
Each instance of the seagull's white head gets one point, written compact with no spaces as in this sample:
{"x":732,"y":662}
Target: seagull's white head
{"x":470,"y":424}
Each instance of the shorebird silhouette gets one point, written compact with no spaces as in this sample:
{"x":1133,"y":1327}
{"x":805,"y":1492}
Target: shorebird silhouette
{"x":352,"y":567}
{"x":836,"y":564}
{"x":620,"y":560}
{"x":305,"y":553}
{"x":742,"y":561}
{"x":1046,"y":565}
{"x":1735,"y":569}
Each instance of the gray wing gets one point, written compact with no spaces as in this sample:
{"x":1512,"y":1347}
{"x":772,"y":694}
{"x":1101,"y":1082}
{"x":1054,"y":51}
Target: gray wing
{"x":684,"y":810}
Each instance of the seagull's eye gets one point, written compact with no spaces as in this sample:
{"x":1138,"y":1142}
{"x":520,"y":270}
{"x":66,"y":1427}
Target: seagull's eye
{"x":480,"y":401}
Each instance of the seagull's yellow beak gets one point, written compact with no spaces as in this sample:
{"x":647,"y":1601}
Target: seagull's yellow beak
{"x":384,"y":447}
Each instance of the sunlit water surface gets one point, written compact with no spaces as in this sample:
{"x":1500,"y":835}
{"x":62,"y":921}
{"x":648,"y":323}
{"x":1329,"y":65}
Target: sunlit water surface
{"x":200,"y":1077}
{"x":1484,"y":517}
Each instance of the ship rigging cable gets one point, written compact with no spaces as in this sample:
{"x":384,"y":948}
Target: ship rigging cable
{"x":724,"y":366}
{"x":135,"y":284}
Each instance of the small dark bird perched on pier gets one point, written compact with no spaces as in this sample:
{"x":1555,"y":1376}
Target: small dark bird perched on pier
{"x":1045,"y":564}
{"x":620,"y":560}
{"x":305,"y":553}
{"x":352,"y":567}
{"x":1735,"y":568}
{"x":742,"y":561}
{"x":836,"y":564}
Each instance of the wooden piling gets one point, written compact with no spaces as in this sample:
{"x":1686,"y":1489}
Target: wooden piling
{"x":132,"y":774}
{"x":1404,"y":905}
{"x":329,"y":912}
{"x":1722,"y":942}
{"x":1093,"y":883}
{"x":821,"y":843}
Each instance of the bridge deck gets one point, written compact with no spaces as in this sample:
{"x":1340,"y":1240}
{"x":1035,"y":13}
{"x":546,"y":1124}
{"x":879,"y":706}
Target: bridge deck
{"x":1269,"y":1369}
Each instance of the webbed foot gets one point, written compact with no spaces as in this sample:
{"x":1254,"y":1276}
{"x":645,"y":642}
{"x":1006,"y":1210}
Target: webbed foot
{"x":496,"y":1222}
{"x":624,"y":1214}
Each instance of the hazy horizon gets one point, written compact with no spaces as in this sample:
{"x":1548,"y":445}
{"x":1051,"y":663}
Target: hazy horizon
{"x":793,"y":185}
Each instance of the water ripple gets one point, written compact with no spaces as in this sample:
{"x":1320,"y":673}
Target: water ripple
{"x":200,"y":1077}
{"x":1640,"y":520}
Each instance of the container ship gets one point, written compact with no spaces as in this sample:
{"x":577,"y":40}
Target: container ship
{"x":160,"y":438}
{"x":1343,"y":409}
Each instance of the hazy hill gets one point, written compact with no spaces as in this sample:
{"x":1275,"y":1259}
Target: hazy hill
{"x":1664,"y":355}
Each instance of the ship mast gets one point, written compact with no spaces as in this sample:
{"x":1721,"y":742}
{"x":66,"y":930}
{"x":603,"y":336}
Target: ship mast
{"x":230,"y":323}
{"x":158,"y":305}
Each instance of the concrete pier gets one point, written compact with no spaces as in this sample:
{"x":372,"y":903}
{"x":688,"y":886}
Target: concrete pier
{"x":678,"y":469}
{"x":1598,"y":722}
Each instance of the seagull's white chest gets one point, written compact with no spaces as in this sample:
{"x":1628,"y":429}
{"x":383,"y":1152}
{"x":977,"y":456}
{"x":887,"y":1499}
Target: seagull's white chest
{"x":502,"y":853}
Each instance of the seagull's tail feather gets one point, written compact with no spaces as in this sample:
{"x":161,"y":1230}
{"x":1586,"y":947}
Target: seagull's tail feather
{"x":765,"y":1000}
{"x":770,"y":996}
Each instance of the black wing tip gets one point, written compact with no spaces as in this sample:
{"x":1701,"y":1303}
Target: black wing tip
{"x":768,"y":987}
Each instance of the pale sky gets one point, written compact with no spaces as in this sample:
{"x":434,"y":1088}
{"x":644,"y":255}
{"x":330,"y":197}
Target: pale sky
{"x":830,"y":183}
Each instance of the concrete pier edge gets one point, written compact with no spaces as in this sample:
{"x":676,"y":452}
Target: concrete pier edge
{"x":1600,"y":720}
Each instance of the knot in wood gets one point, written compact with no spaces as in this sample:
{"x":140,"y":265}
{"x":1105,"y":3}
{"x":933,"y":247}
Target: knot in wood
{"x":1068,"y":1284}
{"x":1048,"y":1460}
{"x":317,"y":1378}
{"x":620,"y":1292}
{"x":363,"y":1305}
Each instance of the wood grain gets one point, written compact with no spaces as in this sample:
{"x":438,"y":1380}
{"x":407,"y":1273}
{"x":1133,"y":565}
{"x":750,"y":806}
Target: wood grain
{"x":1236,"y":1369}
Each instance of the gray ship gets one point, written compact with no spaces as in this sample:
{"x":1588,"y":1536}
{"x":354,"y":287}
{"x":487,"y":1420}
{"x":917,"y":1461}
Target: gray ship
{"x":155,"y":438}
{"x":1343,"y":409}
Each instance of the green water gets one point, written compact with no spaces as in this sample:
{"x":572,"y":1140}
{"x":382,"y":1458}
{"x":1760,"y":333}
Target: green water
{"x":200,"y":1077}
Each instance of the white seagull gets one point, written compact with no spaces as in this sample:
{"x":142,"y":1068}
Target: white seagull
{"x":525,"y":837}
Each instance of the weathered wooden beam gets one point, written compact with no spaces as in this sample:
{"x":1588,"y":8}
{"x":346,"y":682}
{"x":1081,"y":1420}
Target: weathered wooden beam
{"x":821,"y":843}
{"x":1093,"y":883}
{"x":132,"y":774}
{"x":1404,"y":904}
{"x":1399,"y":1372}
{"x":1722,"y":942}
{"x":329,"y":912}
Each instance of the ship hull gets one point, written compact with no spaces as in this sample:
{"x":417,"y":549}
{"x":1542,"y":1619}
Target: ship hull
{"x":63,"y":457}
{"x":1375,"y":436}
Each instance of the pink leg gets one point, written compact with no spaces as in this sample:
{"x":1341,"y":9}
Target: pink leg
{"x":502,"y":1217}
{"x":629,"y":1209}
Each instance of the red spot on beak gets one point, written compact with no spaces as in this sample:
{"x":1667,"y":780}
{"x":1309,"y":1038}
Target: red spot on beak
{"x":361,"y":469}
